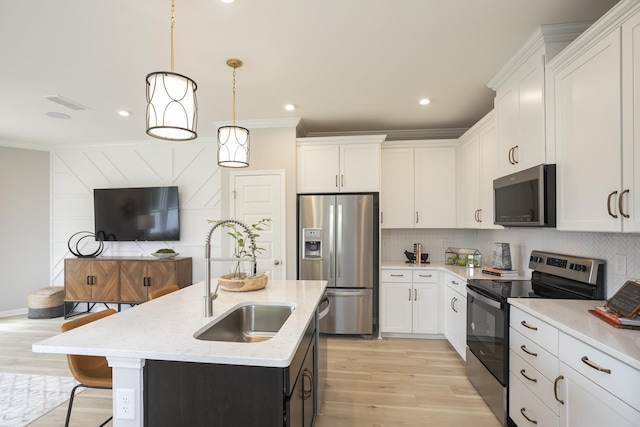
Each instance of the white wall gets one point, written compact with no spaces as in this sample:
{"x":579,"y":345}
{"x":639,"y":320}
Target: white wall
{"x":522,"y":241}
{"x":24,"y":226}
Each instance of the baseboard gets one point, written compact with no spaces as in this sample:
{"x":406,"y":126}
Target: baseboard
{"x":16,"y":312}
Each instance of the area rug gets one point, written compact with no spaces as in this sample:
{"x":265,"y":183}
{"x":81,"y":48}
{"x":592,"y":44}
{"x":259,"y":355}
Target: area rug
{"x":24,"y":398}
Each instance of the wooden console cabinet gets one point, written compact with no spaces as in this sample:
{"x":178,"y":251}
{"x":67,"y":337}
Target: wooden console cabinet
{"x":122,"y":280}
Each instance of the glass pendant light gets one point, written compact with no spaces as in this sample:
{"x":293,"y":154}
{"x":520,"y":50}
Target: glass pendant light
{"x":233,"y":141}
{"x":172,"y":106}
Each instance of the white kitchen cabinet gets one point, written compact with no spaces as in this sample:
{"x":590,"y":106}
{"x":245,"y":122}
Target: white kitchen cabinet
{"x":410,"y":302}
{"x":520,"y":99}
{"x":334,"y":165}
{"x":418,"y":185}
{"x":455,"y":313}
{"x":477,"y":158}
{"x":597,"y":125}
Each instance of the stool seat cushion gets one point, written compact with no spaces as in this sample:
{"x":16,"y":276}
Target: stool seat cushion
{"x":46,"y":302}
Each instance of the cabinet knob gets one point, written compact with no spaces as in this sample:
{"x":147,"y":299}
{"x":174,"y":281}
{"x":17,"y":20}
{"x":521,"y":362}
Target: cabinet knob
{"x":276,"y":262}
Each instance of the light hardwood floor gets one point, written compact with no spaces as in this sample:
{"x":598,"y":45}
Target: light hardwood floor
{"x":376,"y":383}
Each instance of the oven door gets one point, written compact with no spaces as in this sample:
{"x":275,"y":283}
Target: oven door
{"x":487,"y":332}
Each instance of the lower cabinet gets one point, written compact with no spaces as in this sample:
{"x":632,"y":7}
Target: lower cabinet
{"x":203,"y":394}
{"x":139,"y":277}
{"x":91,"y":280}
{"x":455,"y":313}
{"x":557,"y":380}
{"x":410,"y":301}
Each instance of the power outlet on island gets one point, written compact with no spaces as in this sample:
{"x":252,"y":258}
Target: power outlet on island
{"x":125,"y":404}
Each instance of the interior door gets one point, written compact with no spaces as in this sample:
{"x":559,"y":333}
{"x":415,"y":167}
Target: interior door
{"x":257,"y":195}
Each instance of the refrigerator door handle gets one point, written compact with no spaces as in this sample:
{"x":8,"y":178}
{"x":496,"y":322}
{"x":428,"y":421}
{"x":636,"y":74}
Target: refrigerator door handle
{"x":325,"y":311}
{"x":339,"y":240}
{"x":331,"y":239}
{"x":349,"y":293}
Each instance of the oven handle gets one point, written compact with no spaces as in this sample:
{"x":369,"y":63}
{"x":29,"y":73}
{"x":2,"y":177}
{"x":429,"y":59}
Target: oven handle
{"x":488,"y":301}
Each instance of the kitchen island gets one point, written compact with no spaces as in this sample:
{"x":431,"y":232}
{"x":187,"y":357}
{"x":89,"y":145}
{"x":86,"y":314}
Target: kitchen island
{"x":162,"y":331}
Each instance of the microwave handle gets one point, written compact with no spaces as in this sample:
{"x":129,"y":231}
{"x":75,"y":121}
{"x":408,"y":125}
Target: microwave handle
{"x":488,"y":301}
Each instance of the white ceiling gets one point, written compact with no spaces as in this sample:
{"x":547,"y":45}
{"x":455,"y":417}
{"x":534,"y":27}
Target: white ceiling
{"x":348,"y":65}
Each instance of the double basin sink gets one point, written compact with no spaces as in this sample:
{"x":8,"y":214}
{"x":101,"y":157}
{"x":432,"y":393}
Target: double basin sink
{"x":251,"y":322}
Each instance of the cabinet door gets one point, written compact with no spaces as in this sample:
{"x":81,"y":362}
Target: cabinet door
{"x":318,"y":168}
{"x":359,"y":167}
{"x":588,"y":132}
{"x":426,"y":308}
{"x":161,"y":274}
{"x":451,"y":300}
{"x":631,"y":121}
{"x":435,"y":187}
{"x":396,"y":194}
{"x":488,"y":172}
{"x":469,"y":182}
{"x":132,"y":281}
{"x":588,"y":405}
{"x":507,"y":119}
{"x":395,"y":300}
{"x":107,"y":281}
{"x":77,"y":276}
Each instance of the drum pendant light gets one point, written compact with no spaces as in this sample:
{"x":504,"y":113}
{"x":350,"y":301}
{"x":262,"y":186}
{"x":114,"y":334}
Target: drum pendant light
{"x":172,"y":107}
{"x":233,"y":141}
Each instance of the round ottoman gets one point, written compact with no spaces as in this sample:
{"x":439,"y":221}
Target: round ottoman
{"x":46,"y":303}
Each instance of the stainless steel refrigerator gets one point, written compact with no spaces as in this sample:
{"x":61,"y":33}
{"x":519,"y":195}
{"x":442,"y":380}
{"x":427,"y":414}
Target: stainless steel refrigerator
{"x":338,"y":241}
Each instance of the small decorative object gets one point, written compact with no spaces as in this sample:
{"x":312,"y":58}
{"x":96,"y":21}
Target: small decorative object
{"x":242,"y":239}
{"x":463,"y":257}
{"x":229,"y":282}
{"x":411,"y":257}
{"x":502,"y":256}
{"x":165,"y":253}
{"x":75,"y":247}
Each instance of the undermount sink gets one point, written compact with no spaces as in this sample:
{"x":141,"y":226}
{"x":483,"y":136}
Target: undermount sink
{"x":247,"y":323}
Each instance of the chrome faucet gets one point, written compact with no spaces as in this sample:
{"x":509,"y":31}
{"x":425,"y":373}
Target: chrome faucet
{"x":208,"y":297}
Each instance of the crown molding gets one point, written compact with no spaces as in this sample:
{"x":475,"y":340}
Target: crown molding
{"x":263,"y":123}
{"x":400,"y":135}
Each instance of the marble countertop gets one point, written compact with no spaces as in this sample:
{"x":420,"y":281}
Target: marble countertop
{"x":463,"y":273}
{"x":163,"y":328}
{"x":572,"y":317}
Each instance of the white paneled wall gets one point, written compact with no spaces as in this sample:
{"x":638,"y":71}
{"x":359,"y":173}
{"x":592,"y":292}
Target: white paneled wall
{"x":191,"y":166}
{"x":522,"y":241}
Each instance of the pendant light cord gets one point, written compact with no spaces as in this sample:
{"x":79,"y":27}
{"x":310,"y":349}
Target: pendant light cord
{"x":233,"y":104}
{"x":173,"y":22}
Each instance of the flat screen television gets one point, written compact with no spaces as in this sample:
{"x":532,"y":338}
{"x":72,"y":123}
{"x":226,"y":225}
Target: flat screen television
{"x":137,"y":214}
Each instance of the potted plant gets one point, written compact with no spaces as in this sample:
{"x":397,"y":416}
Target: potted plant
{"x":242,"y":242}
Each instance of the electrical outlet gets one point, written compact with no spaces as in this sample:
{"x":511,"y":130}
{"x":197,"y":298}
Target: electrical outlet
{"x":126,"y":404}
{"x":620,"y":266}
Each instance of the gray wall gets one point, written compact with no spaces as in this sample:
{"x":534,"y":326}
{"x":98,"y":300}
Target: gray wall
{"x":24,"y":226}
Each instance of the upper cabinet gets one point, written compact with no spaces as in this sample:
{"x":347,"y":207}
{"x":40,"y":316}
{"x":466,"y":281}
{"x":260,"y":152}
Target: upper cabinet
{"x":418,"y":184}
{"x":339,"y":164}
{"x":520,"y":99}
{"x":596,"y":110}
{"x":477,"y":159}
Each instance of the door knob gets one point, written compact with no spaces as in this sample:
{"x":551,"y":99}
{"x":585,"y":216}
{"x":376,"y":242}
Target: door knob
{"x":276,"y":262}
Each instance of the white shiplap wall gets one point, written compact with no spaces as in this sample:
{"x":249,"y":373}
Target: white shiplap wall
{"x":76,"y":171}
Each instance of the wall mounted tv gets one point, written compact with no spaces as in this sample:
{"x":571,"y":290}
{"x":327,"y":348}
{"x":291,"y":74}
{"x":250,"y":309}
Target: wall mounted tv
{"x":137,"y":214}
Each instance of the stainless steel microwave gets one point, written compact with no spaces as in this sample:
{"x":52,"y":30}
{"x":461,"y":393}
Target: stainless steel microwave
{"x":526,"y":198}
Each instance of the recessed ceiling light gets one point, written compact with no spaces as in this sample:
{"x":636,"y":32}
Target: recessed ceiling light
{"x":56,"y":115}
{"x":124,"y":113}
{"x":425,"y":101}
{"x":227,"y":1}
{"x":289,"y":107}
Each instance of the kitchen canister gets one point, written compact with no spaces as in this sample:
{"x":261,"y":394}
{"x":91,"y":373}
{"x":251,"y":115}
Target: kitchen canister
{"x":502,"y":256}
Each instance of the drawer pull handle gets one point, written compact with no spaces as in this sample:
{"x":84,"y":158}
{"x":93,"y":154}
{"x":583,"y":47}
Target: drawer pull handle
{"x":555,"y":388}
{"x":425,"y":275}
{"x":526,"y":325}
{"x":523,"y":348}
{"x":589,"y":363}
{"x":533,"y":380}
{"x":415,"y":295}
{"x":528,"y":419}
{"x":409,"y":294}
{"x":397,"y":275}
{"x":455,"y":283}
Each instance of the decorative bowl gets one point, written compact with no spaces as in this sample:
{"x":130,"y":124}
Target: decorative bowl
{"x":165,"y":255}
{"x":242,"y":284}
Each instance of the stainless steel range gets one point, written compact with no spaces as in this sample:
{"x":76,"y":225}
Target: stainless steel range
{"x":553,"y":276}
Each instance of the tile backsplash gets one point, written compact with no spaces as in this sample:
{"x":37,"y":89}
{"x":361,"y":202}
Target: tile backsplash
{"x":606,"y":246}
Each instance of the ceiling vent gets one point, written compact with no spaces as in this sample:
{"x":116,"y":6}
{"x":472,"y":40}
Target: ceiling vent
{"x":66,"y":102}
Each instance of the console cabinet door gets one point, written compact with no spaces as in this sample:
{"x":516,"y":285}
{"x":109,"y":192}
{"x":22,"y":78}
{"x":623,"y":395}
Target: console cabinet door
{"x":132,"y":281}
{"x":77,"y":278}
{"x":106,"y":285}
{"x":91,"y":280}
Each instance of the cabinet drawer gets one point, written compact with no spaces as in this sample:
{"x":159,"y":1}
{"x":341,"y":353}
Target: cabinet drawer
{"x":534,"y":380}
{"x":533,"y":354}
{"x":535,"y":329}
{"x":426,"y":276}
{"x":456,"y":284}
{"x":522,"y":402}
{"x":395,"y":276}
{"x":621,"y":380}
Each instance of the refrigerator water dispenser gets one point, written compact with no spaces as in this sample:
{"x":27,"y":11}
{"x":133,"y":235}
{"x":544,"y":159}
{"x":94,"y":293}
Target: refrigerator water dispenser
{"x":312,"y":243}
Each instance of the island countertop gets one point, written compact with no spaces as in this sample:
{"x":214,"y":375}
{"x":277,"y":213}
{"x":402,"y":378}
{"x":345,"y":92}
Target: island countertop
{"x":163,"y":329}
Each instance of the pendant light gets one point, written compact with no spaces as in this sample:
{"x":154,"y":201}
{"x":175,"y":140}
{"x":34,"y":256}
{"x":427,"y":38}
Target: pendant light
{"x":172,"y":107}
{"x":233,"y":141}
